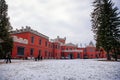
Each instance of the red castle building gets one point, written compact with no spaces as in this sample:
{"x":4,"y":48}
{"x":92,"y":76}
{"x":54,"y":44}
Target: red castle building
{"x":29,"y":43}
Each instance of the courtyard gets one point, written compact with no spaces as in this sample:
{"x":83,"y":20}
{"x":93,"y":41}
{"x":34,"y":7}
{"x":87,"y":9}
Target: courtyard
{"x":75,"y":69}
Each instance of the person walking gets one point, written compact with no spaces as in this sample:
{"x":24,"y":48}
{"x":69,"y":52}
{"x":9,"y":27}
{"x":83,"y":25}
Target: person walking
{"x":41,"y":57}
{"x":38,"y":57}
{"x":8,"y":57}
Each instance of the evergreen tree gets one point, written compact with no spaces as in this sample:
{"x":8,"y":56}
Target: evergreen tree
{"x":106,"y":26}
{"x":5,"y":28}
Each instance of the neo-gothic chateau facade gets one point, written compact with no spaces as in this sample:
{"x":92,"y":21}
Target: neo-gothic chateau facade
{"x":29,"y":43}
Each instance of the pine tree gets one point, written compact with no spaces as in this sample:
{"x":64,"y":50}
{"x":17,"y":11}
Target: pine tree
{"x":5,"y":28}
{"x":106,"y":26}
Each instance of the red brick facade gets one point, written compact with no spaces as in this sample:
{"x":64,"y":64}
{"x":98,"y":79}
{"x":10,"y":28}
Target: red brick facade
{"x":29,"y":44}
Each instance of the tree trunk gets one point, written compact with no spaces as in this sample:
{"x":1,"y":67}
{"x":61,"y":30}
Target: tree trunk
{"x":115,"y":50}
{"x":108,"y":55}
{"x":115,"y":56}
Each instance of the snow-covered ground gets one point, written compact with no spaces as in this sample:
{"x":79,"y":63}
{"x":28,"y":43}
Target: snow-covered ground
{"x":77,"y":69}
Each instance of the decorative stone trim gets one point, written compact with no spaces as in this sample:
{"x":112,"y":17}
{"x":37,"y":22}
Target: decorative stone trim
{"x":28,"y":29}
{"x":20,"y":40}
{"x":72,"y":50}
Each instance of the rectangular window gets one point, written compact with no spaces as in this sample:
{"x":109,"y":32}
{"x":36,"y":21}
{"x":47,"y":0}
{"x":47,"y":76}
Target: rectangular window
{"x":56,"y":46}
{"x":49,"y":45}
{"x":46,"y":44}
{"x":31,"y":51}
{"x":32,"y":39}
{"x":45,"y":53}
{"x":91,"y":50}
{"x":53,"y":46}
{"x":85,"y":50}
{"x":62,"y":54}
{"x":62,"y":48}
{"x":40,"y":42}
{"x":20,"y":51}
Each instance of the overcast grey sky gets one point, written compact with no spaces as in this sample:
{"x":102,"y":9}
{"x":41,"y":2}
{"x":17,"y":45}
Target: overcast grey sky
{"x":64,"y":18}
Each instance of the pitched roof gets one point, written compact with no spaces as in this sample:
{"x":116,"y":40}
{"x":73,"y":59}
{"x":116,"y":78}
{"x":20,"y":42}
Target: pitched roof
{"x":91,"y":44}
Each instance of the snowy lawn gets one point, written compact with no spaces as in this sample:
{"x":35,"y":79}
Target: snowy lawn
{"x":76,"y":69}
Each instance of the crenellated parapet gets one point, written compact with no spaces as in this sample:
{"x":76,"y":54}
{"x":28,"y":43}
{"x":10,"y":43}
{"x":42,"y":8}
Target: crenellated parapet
{"x":28,"y":29}
{"x":20,"y":40}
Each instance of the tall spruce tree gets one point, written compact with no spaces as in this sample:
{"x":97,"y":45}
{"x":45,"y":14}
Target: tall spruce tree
{"x":6,"y":43}
{"x":106,"y":26}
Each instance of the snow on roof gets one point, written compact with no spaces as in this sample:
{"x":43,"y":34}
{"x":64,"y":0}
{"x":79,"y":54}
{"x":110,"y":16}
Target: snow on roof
{"x":28,"y":29}
{"x":70,"y":44}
